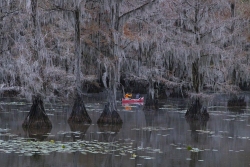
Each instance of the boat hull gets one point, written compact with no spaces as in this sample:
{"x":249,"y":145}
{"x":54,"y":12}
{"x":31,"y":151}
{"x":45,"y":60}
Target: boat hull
{"x":140,"y":100}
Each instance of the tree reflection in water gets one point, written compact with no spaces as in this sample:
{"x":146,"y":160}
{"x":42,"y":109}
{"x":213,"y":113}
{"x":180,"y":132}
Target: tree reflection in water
{"x":108,"y":134}
{"x":39,"y":134}
{"x":79,"y":130}
{"x":195,"y":126}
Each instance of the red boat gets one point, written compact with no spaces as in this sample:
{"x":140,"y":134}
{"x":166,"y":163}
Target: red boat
{"x":141,"y":99}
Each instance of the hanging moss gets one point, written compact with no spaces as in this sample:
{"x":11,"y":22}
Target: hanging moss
{"x":37,"y":117}
{"x":109,"y":117}
{"x":79,"y":113}
{"x":93,"y":87}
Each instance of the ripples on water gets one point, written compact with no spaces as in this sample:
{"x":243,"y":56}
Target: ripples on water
{"x":148,"y":139}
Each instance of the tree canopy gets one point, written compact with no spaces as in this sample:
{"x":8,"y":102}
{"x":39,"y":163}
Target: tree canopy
{"x":195,"y":44}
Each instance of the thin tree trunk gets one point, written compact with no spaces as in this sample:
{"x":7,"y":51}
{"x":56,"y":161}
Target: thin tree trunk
{"x":196,"y":111}
{"x":77,"y":49}
{"x":151,"y":98}
{"x":196,"y":76}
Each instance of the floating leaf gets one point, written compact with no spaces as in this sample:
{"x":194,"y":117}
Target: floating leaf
{"x":133,"y":155}
{"x":189,"y":148}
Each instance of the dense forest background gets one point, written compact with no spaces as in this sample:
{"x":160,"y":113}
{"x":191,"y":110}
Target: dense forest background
{"x":59,"y":47}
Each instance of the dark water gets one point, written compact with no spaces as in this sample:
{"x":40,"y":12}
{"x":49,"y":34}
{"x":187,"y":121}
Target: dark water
{"x":150,"y":139}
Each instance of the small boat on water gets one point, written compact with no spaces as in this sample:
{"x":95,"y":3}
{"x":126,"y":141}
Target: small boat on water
{"x":140,"y":100}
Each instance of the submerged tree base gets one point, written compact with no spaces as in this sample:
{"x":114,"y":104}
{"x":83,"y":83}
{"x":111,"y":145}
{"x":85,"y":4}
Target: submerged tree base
{"x":196,"y":111}
{"x":79,"y":113}
{"x":109,"y":117}
{"x":74,"y":127}
{"x":37,"y":117}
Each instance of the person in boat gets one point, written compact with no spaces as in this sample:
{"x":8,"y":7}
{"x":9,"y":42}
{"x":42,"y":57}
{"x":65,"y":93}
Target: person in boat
{"x":137,"y":96}
{"x":128,"y":96}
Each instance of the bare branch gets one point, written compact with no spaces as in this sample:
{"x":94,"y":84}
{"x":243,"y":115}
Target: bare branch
{"x":141,"y":8}
{"x":3,"y":15}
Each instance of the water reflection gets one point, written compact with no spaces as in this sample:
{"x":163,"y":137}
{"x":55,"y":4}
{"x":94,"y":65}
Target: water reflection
{"x":196,"y":126}
{"x":157,"y":138}
{"x":150,"y":116}
{"x":130,"y":106}
{"x":237,"y":109}
{"x":39,"y":134}
{"x":79,"y":130}
{"x":108,"y":132}
{"x":195,"y":157}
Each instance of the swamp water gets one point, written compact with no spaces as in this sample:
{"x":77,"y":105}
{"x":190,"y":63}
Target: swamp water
{"x":148,"y":139}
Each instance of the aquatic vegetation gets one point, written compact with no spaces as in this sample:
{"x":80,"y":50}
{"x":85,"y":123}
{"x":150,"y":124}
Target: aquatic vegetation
{"x":13,"y":103}
{"x":29,"y":147}
{"x":205,"y":132}
{"x":138,"y":141}
{"x":149,"y":128}
{"x":189,"y":148}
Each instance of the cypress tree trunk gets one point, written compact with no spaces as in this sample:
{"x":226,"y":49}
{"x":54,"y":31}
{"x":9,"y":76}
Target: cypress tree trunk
{"x":109,"y":116}
{"x":37,"y":117}
{"x":151,"y":98}
{"x":151,"y":103}
{"x":196,"y":111}
{"x":79,"y":113}
{"x":196,"y":76}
